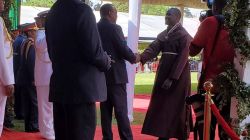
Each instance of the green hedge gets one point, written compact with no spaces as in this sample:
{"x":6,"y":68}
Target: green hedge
{"x":38,"y":3}
{"x":146,"y":9}
{"x":142,"y":46}
{"x":121,"y":6}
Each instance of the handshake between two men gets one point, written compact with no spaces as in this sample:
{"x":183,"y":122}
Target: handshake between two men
{"x":166,"y":84}
{"x":137,"y":58}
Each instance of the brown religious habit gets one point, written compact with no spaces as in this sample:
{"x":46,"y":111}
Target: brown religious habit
{"x":168,"y":116}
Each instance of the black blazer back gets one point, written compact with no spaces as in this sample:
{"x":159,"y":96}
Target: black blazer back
{"x":114,"y":43}
{"x":74,"y":47}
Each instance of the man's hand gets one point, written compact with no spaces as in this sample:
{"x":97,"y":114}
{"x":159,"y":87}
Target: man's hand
{"x":167,"y":84}
{"x":109,"y":62}
{"x":138,"y":57}
{"x":112,"y":61}
{"x":9,"y":90}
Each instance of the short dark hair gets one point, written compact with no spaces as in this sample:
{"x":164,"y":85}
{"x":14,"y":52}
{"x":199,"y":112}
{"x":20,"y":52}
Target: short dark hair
{"x":220,"y":4}
{"x":105,"y":9}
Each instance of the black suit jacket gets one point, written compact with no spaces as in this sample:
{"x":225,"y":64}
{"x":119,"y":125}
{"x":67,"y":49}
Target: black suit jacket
{"x":25,"y":71}
{"x":74,"y":47}
{"x":114,"y":44}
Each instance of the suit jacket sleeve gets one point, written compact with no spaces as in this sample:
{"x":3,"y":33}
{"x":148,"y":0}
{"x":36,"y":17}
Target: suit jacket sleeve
{"x":89,"y":40}
{"x":6,"y":76}
{"x":121,"y":45}
{"x":182,"y":59}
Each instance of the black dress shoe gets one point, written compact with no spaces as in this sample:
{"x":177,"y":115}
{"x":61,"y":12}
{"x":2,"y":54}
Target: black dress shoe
{"x":32,"y":130}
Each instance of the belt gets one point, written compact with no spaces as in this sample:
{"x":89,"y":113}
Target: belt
{"x":171,"y":53}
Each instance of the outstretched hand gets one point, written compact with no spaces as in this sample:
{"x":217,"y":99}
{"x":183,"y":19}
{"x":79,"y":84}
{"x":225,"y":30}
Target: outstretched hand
{"x":167,"y":84}
{"x":138,"y":57}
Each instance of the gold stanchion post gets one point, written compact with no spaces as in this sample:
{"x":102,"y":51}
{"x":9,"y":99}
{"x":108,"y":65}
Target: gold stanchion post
{"x":207,"y":111}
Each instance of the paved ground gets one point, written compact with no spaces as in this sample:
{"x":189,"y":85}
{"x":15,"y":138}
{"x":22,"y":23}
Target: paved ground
{"x":150,"y":25}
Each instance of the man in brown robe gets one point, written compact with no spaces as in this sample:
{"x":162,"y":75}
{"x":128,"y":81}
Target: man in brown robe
{"x":168,"y":116}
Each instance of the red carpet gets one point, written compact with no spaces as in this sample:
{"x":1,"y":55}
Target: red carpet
{"x":143,"y":96}
{"x":13,"y":135}
{"x":136,"y":129}
{"x":140,"y":105}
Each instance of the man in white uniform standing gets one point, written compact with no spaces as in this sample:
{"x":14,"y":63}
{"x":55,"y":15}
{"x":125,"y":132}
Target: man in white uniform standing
{"x":6,"y":67}
{"x":43,"y":71}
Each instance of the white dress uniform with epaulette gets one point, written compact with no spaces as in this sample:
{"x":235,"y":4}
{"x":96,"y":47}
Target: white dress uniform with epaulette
{"x":43,"y":71}
{"x":6,"y":68}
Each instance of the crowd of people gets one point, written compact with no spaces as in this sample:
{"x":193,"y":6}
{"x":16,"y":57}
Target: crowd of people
{"x":65,"y":62}
{"x":31,"y":72}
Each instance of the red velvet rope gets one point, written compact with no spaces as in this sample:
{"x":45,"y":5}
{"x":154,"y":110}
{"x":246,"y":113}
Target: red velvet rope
{"x":223,"y":123}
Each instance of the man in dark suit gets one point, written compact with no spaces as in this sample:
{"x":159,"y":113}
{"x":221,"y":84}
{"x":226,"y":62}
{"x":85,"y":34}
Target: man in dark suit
{"x":25,"y":78}
{"x":78,"y":63}
{"x":19,"y":99}
{"x":115,"y":45}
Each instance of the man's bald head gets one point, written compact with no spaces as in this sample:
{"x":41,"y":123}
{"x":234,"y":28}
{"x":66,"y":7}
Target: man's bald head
{"x":173,"y":16}
{"x":176,"y":12}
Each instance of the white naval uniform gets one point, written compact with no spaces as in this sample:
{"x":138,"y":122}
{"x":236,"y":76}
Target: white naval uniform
{"x":43,"y":71}
{"x":6,"y":68}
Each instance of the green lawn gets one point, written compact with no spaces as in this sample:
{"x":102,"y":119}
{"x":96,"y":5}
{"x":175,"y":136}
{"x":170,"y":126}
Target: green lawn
{"x":19,"y":125}
{"x":144,"y":82}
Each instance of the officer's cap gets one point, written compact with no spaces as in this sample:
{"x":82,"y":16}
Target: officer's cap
{"x":43,"y":14}
{"x":29,"y":26}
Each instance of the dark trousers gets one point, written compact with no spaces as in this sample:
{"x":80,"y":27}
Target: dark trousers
{"x":117,"y":100}
{"x":9,"y":112}
{"x":162,"y":138}
{"x":30,"y":107}
{"x":74,"y":121}
{"x":19,"y":103}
